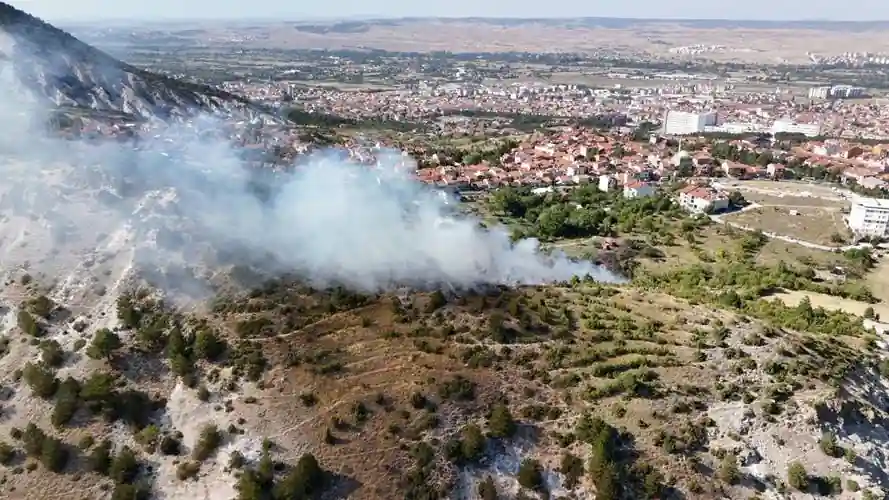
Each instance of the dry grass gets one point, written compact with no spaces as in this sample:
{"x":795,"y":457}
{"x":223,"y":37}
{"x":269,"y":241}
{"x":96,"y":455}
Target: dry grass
{"x":792,"y":298}
{"x":878,"y":280}
{"x":715,"y":239}
{"x":792,"y":201}
{"x":813,"y":225}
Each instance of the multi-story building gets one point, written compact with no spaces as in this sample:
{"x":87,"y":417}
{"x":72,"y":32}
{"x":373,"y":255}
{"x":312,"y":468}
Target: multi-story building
{"x":791,"y":127}
{"x":607,"y":182}
{"x":685,"y":123}
{"x":702,"y":199}
{"x":822,"y":92}
{"x":869,"y":217}
{"x":846,"y":91}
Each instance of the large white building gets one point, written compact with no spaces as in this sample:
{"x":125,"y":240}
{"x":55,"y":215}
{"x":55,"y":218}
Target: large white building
{"x":791,"y":127}
{"x":685,"y":123}
{"x":846,"y":91}
{"x":822,"y":92}
{"x":869,"y":217}
{"x":836,"y":92}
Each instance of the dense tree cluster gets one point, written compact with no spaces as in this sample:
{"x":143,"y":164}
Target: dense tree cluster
{"x":304,"y":481}
{"x":582,"y":212}
{"x":612,"y":466}
{"x":159,"y":329}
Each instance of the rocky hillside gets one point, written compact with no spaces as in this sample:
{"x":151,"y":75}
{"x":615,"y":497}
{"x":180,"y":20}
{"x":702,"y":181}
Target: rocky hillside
{"x":58,"y":68}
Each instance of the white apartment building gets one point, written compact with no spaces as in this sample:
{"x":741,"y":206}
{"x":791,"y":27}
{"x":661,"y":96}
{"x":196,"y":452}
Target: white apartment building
{"x":869,"y":217}
{"x":846,"y":91}
{"x":791,"y":127}
{"x":702,"y":199}
{"x":822,"y":92}
{"x":685,"y":123}
{"x":607,"y":183}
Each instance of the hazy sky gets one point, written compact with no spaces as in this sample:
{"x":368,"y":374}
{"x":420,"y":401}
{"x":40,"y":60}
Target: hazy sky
{"x":60,"y":10}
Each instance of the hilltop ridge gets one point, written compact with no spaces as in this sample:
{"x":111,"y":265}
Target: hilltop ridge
{"x":61,"y":70}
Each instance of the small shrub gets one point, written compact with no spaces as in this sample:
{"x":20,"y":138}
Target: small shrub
{"x":501,"y":423}
{"x":308,"y":399}
{"x":728,"y":469}
{"x":41,"y":380}
{"x":187,"y":470}
{"x":148,"y":437}
{"x":124,"y":466}
{"x":208,"y":442}
{"x":797,"y":477}
{"x":573,"y":469}
{"x":487,"y":489}
{"x":51,"y":353}
{"x":7,"y":453}
{"x":53,"y":454}
{"x":236,"y":460}
{"x":829,"y":446}
{"x":104,"y":344}
{"x":170,"y":445}
{"x":472,"y":443}
{"x":531,"y":475}
{"x":99,"y":460}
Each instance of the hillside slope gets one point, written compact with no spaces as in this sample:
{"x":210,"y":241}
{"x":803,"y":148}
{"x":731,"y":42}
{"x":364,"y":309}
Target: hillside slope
{"x":61,"y":70}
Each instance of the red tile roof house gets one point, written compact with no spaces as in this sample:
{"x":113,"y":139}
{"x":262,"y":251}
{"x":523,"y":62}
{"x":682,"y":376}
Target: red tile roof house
{"x":702,"y":199}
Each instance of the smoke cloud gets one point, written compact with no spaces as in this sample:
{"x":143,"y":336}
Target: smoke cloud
{"x":183,"y":204}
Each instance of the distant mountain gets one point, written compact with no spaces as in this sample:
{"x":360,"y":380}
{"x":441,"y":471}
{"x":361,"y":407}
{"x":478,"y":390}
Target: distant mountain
{"x":363,"y":25}
{"x":59,"y":68}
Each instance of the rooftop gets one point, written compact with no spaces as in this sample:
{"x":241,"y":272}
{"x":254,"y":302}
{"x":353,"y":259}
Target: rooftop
{"x":872,"y":202}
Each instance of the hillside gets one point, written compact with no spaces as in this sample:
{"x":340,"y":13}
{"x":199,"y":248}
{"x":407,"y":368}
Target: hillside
{"x":61,"y":70}
{"x":564,"y":390}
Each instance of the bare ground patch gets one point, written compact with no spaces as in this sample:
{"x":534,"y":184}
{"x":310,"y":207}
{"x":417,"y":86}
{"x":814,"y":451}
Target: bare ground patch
{"x":813,"y":225}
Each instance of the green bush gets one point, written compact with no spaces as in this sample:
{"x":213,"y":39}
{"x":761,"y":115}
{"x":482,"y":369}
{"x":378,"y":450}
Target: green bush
{"x":797,"y":477}
{"x":207,"y":345}
{"x":187,"y":470}
{"x":472,"y":443}
{"x":99,"y":460}
{"x":487,"y":489}
{"x":572,"y":468}
{"x":41,"y":380}
{"x":148,"y":437}
{"x":209,"y":441}
{"x":828,"y":445}
{"x":531,"y":475}
{"x":124,"y":467}
{"x":41,"y":306}
{"x":67,"y":402}
{"x":303,"y":481}
{"x":130,"y":492}
{"x":501,"y":423}
{"x":7,"y":453}
{"x":104,"y":344}
{"x":53,"y":454}
{"x":52,"y":353}
{"x":28,"y":324}
{"x":33,"y":438}
{"x":170,"y":445}
{"x":728,"y":469}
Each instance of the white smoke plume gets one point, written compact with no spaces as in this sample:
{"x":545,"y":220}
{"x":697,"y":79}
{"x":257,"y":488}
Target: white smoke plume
{"x":183,"y":201}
